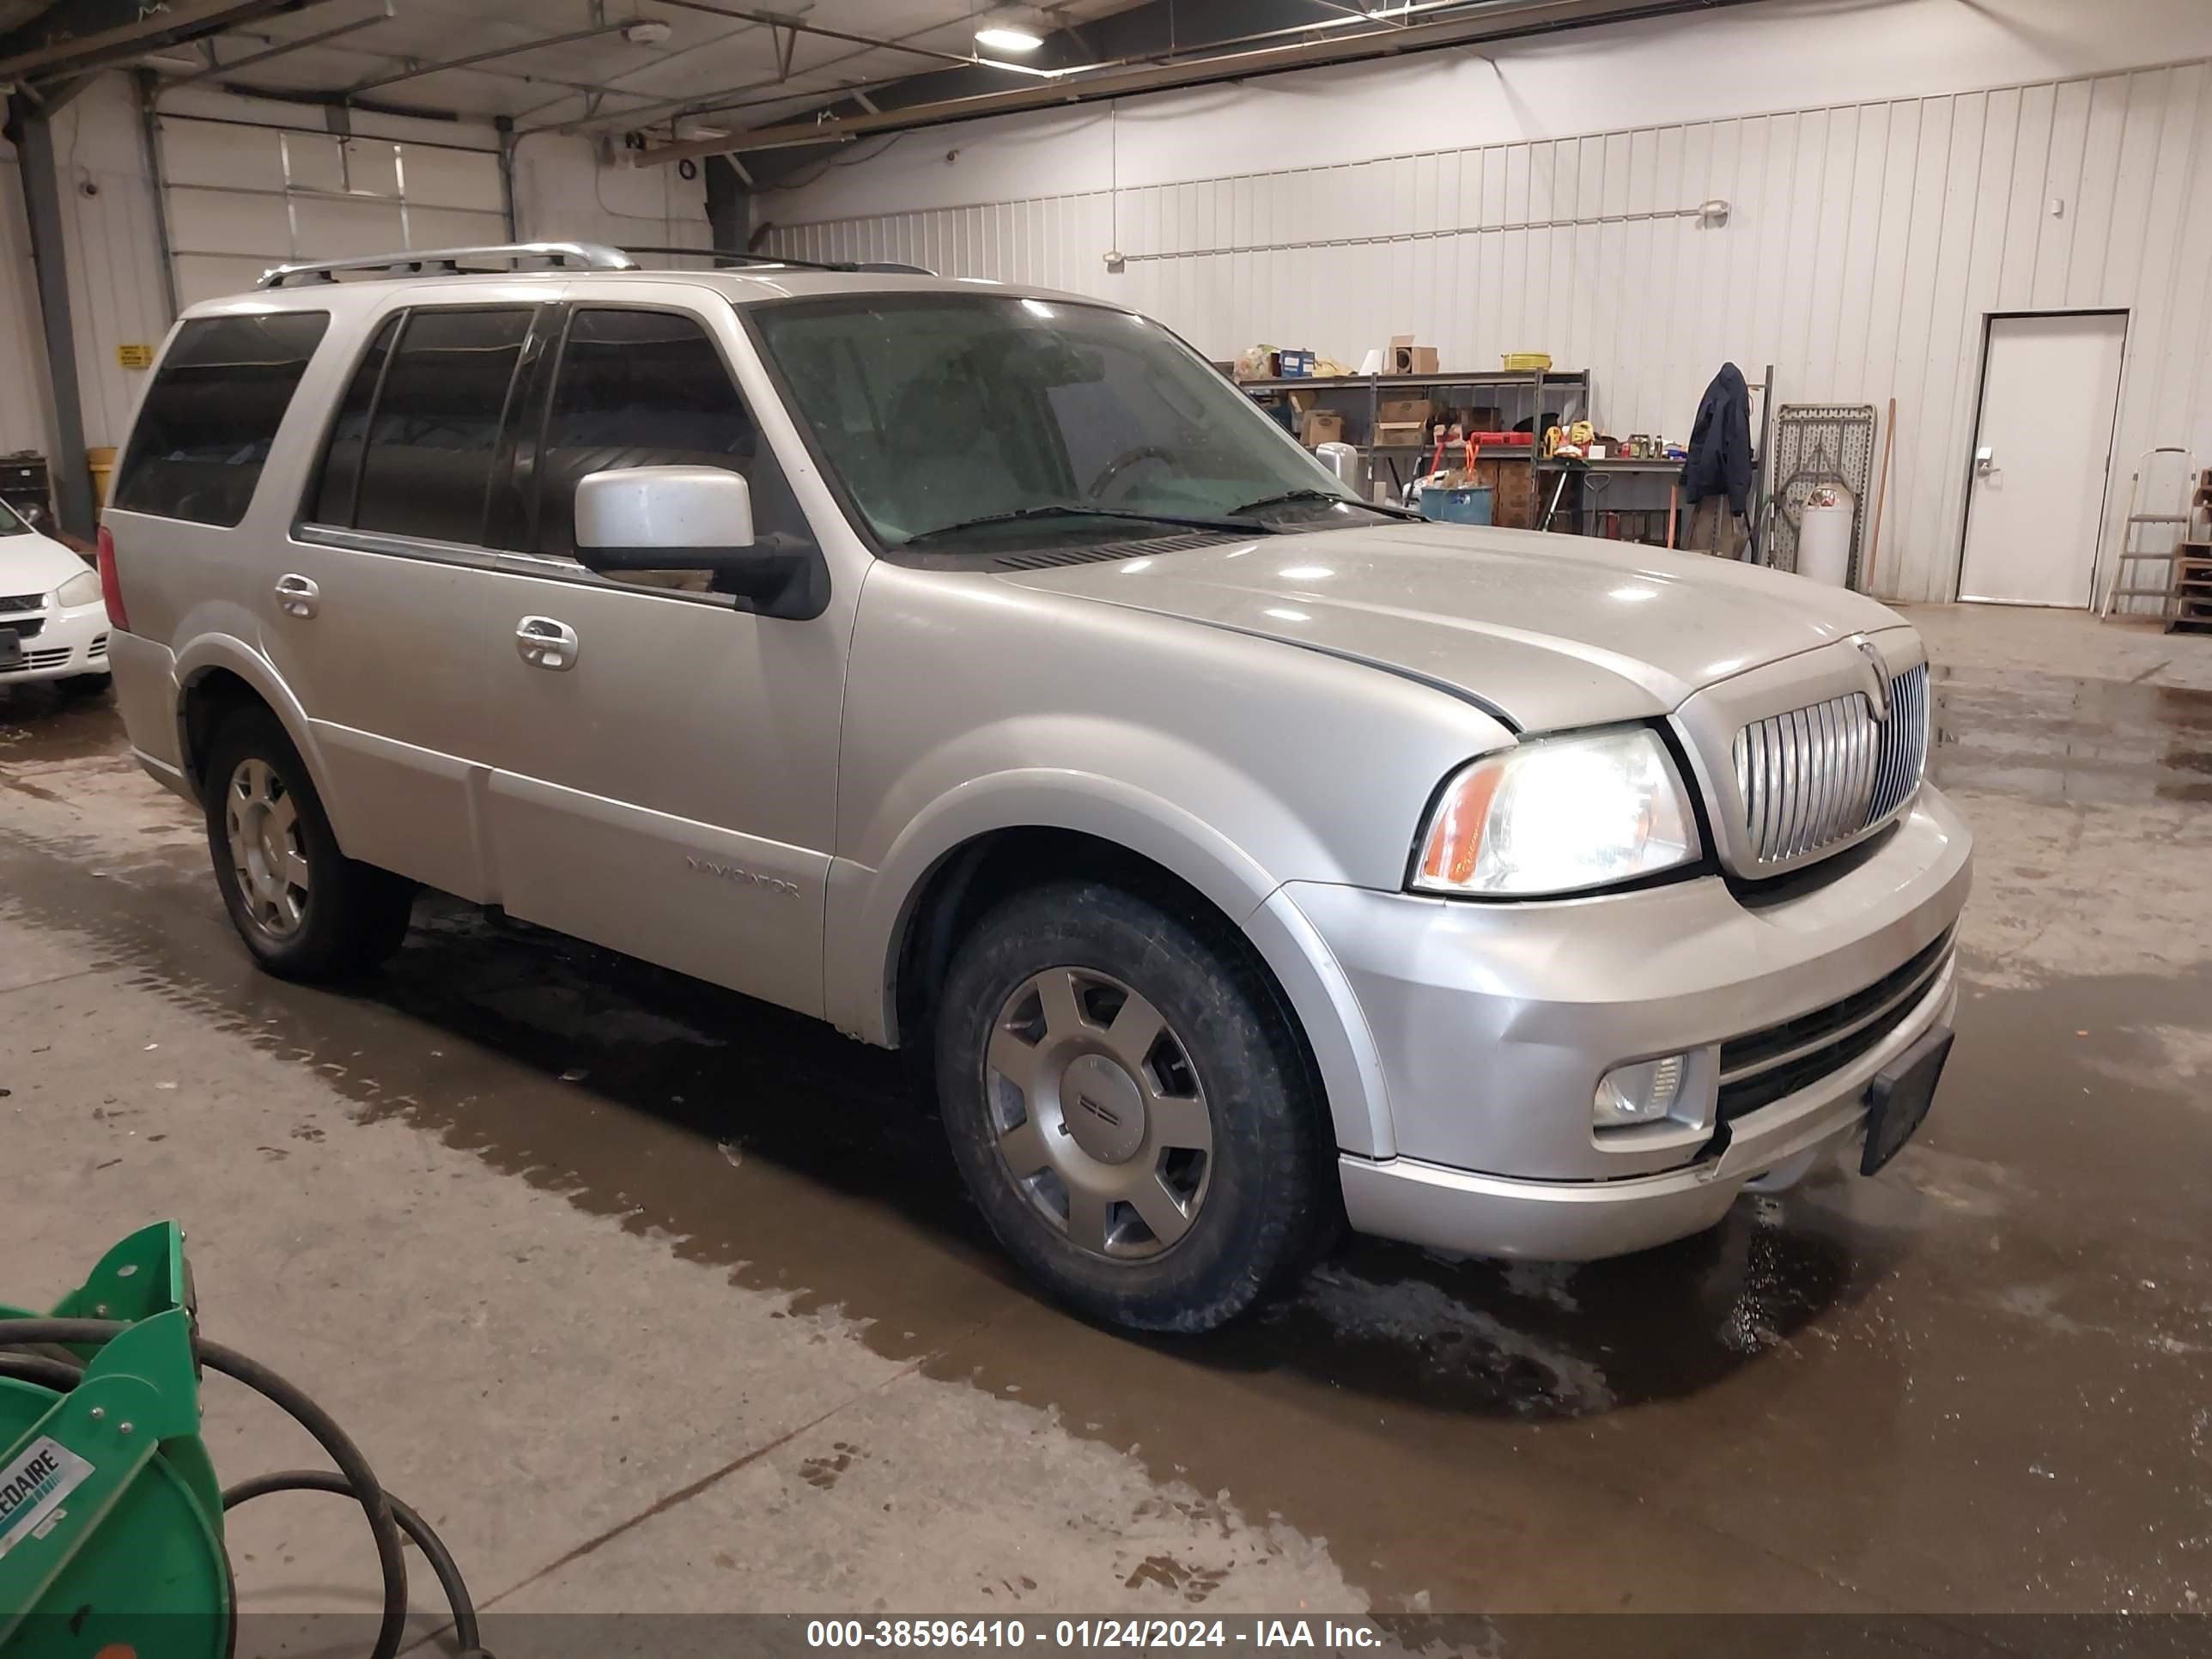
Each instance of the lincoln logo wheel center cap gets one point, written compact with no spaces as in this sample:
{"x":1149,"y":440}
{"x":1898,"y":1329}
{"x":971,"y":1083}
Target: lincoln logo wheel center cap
{"x":1103,"y":1109}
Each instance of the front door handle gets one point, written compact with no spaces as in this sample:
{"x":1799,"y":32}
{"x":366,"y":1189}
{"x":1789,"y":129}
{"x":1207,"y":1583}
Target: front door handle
{"x":546,"y":643}
{"x":1985,"y":461}
{"x":297,"y":596}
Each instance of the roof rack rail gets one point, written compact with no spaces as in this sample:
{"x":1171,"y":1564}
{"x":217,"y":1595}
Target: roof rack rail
{"x":448,"y":261}
{"x":734,"y":257}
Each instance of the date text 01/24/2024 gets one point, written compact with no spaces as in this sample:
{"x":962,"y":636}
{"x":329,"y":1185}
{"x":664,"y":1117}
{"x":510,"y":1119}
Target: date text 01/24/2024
{"x":1082,"y":1635}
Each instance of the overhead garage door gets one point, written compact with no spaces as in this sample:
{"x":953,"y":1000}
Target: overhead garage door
{"x":243,"y":198}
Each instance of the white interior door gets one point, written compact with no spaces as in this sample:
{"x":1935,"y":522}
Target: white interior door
{"x":2041,"y":457}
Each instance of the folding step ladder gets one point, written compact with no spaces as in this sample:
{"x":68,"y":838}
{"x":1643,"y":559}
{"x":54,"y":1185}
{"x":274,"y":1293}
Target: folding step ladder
{"x":2173,"y":529}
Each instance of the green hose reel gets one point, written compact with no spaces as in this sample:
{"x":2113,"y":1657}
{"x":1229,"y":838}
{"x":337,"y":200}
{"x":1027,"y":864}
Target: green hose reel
{"x":111,"y":1518}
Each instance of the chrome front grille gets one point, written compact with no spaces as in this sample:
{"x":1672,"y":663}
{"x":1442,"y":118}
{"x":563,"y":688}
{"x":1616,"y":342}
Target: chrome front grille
{"x":1819,"y":774}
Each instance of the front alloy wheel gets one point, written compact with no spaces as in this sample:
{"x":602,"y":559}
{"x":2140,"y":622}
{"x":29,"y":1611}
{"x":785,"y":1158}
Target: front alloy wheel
{"x":1101,"y":1120}
{"x":1130,"y":1106}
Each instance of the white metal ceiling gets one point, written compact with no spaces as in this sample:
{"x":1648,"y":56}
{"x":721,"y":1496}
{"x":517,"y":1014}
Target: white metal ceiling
{"x":599,"y":80}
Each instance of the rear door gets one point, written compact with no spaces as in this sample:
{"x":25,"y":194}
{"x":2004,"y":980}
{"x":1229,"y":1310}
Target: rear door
{"x":386,"y":604}
{"x":666,"y":785}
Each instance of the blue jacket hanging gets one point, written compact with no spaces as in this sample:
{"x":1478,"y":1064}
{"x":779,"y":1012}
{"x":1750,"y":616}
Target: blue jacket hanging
{"x":1720,"y":442}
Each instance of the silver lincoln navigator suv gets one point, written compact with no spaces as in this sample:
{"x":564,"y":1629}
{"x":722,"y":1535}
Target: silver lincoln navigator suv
{"x":973,"y":667}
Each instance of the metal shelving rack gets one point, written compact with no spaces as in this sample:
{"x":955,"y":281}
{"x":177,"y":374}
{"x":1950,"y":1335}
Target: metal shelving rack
{"x":1571,"y":385}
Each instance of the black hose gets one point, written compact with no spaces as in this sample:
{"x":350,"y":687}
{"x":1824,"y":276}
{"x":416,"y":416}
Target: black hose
{"x":354,"y":1478}
{"x":37,"y":1368}
{"x":426,"y":1539}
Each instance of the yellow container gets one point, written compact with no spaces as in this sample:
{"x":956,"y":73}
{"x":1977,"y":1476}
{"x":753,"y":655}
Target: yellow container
{"x":101,"y":464}
{"x":1528,"y":360}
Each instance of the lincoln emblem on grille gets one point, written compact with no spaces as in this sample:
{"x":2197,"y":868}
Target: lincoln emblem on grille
{"x":1878,"y":692}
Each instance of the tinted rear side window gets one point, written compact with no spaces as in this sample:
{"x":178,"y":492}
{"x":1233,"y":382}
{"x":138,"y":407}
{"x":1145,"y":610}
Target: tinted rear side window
{"x":636,"y":388}
{"x":332,"y":501}
{"x":212,"y":412}
{"x":428,"y":464}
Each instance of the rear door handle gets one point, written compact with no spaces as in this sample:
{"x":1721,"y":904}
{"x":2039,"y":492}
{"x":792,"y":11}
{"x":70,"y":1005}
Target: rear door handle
{"x":297,"y":596}
{"x":546,"y":643}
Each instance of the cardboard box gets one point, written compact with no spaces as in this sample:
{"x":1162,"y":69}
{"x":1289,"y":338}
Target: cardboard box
{"x":1398,"y":410}
{"x":1319,"y":426}
{"x":1513,"y":484}
{"x":1414,"y":433}
{"x":1404,"y":358}
{"x":1294,"y":365}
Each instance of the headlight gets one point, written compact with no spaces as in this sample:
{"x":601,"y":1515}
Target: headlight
{"x":84,"y":588}
{"x":1559,"y":814}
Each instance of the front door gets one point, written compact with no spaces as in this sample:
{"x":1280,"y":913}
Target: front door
{"x":664,"y":772}
{"x":2036,"y":500}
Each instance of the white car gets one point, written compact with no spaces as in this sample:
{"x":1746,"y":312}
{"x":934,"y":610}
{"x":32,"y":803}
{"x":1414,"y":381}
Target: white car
{"x":53,"y":624}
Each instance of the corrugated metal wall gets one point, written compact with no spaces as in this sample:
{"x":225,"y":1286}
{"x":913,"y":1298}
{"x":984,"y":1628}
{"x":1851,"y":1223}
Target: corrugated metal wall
{"x":117,"y":296}
{"x":24,"y":411}
{"x":1866,"y":245}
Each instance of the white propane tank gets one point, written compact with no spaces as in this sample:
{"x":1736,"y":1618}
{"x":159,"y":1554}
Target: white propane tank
{"x":1823,"y":536}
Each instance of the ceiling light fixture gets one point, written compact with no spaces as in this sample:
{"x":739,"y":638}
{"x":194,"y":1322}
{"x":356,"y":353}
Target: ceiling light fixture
{"x":1004,"y":37}
{"x":647,"y":32}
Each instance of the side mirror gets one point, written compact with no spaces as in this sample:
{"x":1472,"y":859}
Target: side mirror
{"x":664,"y":518}
{"x":1342,"y":460}
{"x":690,"y":517}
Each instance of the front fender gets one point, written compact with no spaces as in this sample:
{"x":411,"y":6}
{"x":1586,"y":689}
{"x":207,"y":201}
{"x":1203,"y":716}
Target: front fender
{"x":869,"y":909}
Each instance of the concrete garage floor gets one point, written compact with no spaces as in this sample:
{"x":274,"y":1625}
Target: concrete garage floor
{"x":653,"y":1298}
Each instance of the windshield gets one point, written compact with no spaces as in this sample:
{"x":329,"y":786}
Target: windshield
{"x":987,"y":416}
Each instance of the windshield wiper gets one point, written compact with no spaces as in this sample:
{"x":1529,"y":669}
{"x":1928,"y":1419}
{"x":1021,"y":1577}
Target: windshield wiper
{"x":1076,"y":510}
{"x":1293,"y":497}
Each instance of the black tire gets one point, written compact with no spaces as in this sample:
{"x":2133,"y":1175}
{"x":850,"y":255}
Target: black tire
{"x":353,"y":914}
{"x":1261,"y":1217}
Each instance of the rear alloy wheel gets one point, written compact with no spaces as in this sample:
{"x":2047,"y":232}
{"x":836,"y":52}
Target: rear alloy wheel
{"x":268,"y":856}
{"x":304,"y":908}
{"x":1130,"y":1107}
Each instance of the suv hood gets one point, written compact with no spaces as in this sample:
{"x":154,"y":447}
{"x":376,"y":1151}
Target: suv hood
{"x":1549,"y":631}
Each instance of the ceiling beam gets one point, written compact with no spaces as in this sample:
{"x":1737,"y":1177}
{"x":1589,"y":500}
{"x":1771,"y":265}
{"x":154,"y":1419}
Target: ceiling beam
{"x":774,"y":20}
{"x":1500,"y":22}
{"x":475,"y":58}
{"x":283,"y":49}
{"x":78,"y":35}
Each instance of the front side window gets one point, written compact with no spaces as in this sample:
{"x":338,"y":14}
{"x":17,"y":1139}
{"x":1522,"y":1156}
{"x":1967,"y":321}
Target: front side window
{"x":944,"y":416}
{"x":636,"y":388}
{"x":427,"y":467}
{"x":212,"y":412}
{"x":10,"y":524}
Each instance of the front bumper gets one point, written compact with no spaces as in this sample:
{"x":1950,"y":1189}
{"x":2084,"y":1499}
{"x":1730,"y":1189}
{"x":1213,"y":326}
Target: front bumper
{"x":63,"y":643}
{"x":1494,"y":1022}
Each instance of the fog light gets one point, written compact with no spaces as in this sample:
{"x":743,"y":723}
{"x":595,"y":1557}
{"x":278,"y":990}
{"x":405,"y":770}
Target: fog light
{"x":1643,"y":1093}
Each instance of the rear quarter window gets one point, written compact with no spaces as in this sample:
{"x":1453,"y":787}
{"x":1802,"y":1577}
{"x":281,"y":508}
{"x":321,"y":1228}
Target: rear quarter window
{"x":212,"y":412}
